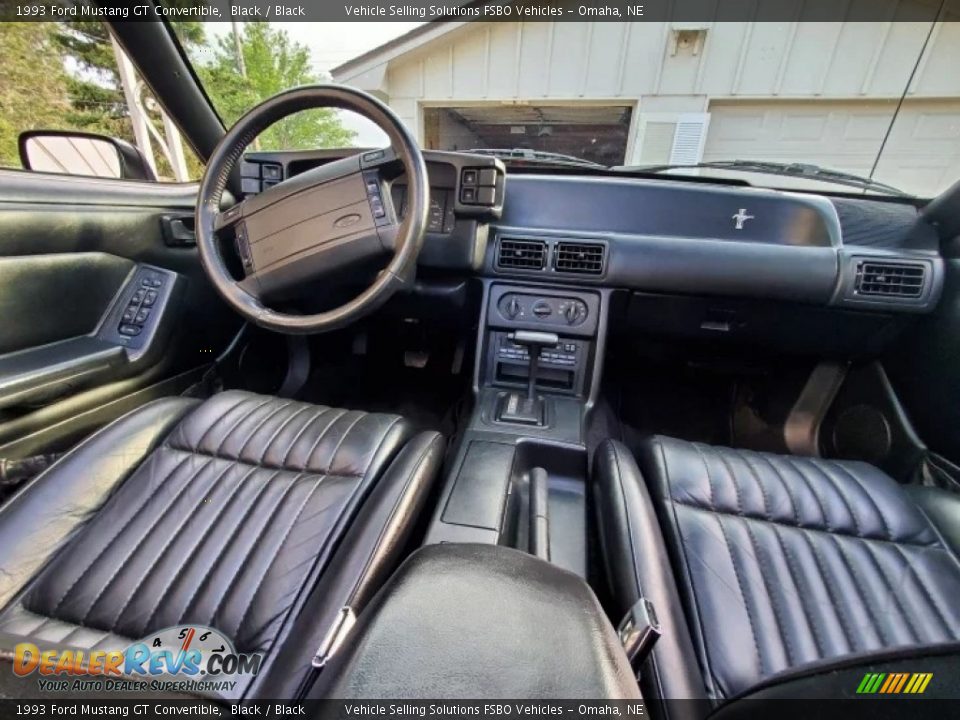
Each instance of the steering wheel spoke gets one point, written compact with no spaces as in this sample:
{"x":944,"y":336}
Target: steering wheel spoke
{"x":318,"y":224}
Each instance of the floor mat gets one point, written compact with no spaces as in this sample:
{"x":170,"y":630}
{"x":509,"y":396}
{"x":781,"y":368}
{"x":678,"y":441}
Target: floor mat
{"x":431,"y":397}
{"x":700,"y":402}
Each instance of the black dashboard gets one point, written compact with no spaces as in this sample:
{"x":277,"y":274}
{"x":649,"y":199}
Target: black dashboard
{"x":661,"y":236}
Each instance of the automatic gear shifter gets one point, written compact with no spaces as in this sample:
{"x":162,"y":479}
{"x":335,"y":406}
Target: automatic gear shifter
{"x":515,"y":407}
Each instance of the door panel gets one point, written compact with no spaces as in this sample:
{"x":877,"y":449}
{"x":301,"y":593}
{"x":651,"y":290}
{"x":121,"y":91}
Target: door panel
{"x":925,"y":371}
{"x":53,"y":297}
{"x":102,"y":312}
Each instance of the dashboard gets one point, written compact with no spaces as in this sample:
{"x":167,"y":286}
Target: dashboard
{"x":654,"y":236}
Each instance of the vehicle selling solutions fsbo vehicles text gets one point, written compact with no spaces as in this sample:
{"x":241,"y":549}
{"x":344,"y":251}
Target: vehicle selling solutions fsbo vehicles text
{"x":425,"y":12}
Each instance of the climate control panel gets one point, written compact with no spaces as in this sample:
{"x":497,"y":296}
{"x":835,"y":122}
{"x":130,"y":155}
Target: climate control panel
{"x":548,"y":309}
{"x":572,"y":315}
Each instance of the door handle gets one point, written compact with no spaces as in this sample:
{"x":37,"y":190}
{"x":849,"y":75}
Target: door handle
{"x":178,"y":230}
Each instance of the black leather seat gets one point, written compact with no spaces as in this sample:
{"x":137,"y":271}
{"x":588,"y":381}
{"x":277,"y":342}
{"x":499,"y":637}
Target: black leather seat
{"x":782,"y":566}
{"x":241,"y":513}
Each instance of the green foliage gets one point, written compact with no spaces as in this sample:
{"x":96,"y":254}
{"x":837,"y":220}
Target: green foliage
{"x":33,"y":85}
{"x":96,"y":99}
{"x":64,"y":76}
{"x":273,"y":63}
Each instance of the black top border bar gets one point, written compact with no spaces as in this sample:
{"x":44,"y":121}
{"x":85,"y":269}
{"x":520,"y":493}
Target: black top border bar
{"x":676,"y":11}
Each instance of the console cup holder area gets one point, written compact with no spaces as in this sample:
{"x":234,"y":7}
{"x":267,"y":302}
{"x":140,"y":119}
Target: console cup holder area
{"x":528,"y":494}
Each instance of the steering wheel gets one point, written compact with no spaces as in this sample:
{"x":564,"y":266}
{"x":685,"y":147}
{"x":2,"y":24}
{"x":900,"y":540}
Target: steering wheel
{"x":317,"y":223}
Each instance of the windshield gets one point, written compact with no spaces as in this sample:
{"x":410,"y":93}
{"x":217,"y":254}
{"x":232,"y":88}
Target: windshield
{"x":872,"y":100}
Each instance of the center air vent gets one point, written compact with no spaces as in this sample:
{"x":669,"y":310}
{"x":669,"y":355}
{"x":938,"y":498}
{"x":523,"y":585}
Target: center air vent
{"x":887,"y":279}
{"x":521,"y":254}
{"x":580,"y":258}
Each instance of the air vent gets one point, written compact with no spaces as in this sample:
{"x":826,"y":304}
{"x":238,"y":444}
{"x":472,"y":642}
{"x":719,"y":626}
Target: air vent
{"x":886,"y":279}
{"x":521,"y":254}
{"x":580,"y":258}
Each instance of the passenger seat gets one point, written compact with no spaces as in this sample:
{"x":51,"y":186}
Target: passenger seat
{"x":771,"y":571}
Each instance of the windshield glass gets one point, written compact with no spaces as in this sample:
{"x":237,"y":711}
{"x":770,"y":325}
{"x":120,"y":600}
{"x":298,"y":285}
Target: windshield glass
{"x":868,"y":99}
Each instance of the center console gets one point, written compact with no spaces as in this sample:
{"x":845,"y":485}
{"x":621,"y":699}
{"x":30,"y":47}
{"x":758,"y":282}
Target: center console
{"x":474,"y":621}
{"x":519,"y":475}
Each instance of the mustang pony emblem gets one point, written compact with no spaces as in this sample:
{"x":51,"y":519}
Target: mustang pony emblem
{"x":741,"y":217}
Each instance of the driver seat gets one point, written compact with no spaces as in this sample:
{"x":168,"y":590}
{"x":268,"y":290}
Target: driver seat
{"x":258,"y":516}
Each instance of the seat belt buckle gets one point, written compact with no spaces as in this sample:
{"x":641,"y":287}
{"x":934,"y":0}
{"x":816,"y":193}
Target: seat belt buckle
{"x":341,"y":626}
{"x":639,"y":631}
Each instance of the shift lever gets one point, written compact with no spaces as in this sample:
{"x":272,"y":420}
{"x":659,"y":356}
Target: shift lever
{"x":534,"y":341}
{"x":528,"y":410}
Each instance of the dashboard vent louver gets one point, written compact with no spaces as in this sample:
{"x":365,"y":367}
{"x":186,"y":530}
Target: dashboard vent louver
{"x":521,"y":254}
{"x":580,"y":258}
{"x":887,"y":279}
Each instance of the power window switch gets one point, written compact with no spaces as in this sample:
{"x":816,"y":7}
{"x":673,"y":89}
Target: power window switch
{"x":150,"y":298}
{"x":138,"y":296}
{"x":142,"y":316}
{"x":129,"y":314}
{"x":130,"y":330}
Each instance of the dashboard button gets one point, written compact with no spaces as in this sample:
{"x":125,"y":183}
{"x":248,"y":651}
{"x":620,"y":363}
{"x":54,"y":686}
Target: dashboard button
{"x":486,"y":195}
{"x":487,"y":176}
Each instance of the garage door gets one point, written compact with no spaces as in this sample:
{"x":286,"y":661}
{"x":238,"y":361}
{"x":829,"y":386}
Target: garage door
{"x":592,"y":132}
{"x":922,"y":155}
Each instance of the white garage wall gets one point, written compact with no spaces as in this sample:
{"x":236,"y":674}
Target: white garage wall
{"x":922,"y":155}
{"x":570,"y":60}
{"x":640,"y":63}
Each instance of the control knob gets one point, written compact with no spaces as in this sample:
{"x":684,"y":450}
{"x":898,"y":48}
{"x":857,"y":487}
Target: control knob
{"x":512,"y":307}
{"x":573,"y":312}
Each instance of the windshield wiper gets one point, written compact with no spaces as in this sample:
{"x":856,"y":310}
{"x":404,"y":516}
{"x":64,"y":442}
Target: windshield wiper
{"x":803,"y":170}
{"x":536,"y":156}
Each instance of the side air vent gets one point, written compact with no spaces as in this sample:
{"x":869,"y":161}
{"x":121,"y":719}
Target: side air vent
{"x":580,"y":258}
{"x":887,"y":279}
{"x":521,"y":254}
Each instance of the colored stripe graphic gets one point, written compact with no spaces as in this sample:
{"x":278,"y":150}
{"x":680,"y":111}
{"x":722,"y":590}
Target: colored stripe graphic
{"x":894,"y":683}
{"x":903,"y":681}
{"x":892,"y":680}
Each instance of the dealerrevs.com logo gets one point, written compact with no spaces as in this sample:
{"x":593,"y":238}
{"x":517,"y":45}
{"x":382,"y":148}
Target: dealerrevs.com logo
{"x":184,"y":658}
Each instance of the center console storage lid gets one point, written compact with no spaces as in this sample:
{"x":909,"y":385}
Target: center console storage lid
{"x":480,"y":621}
